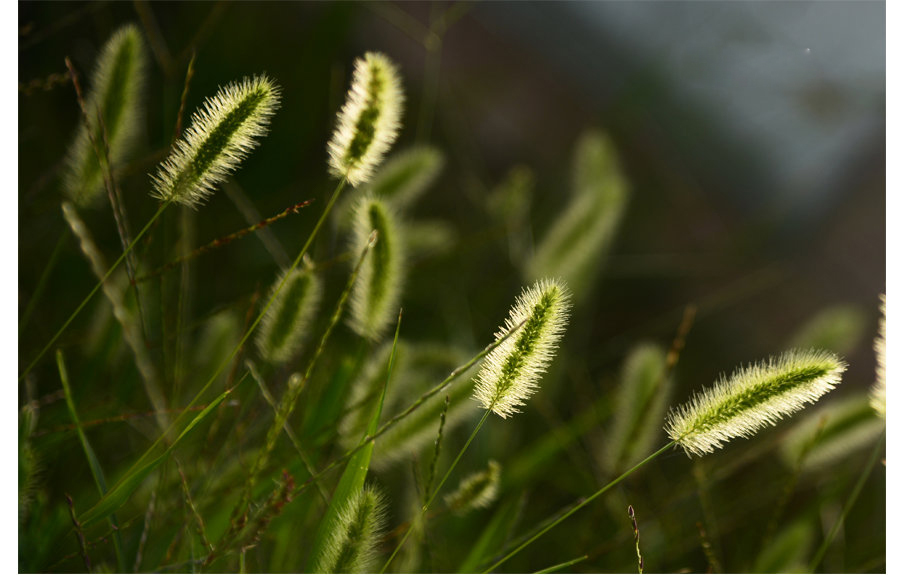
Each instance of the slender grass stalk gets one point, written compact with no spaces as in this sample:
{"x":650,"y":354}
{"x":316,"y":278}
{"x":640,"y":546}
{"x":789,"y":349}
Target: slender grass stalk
{"x":578,"y":506}
{"x":295,"y":386}
{"x":42,"y":281}
{"x":94,"y":291}
{"x":637,"y":539}
{"x":437,"y":489}
{"x":412,"y":407}
{"x":304,"y":457}
{"x":429,"y":482}
{"x":116,"y":296}
{"x":93,"y":462}
{"x":873,"y":457}
{"x":561,"y":566}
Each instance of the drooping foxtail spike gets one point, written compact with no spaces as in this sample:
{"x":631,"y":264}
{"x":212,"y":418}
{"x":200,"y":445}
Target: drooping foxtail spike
{"x":510,"y":373}
{"x":752,"y":398}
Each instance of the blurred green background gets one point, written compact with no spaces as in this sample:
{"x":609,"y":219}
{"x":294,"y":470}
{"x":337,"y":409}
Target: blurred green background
{"x":752,"y":138}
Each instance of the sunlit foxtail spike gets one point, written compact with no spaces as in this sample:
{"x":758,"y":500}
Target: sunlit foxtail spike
{"x":753,"y":398}
{"x":510,"y":373}
{"x":222,"y":133}
{"x":369,"y":121}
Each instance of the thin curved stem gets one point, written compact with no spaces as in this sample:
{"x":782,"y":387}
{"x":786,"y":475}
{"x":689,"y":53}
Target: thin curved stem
{"x":428,"y":503}
{"x":873,"y":457}
{"x":596,"y":494}
{"x":97,"y":287}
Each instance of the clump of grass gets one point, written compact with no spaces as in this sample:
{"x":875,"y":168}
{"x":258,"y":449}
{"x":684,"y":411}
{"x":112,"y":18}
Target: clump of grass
{"x":222,"y":133}
{"x":831,"y":433}
{"x":352,"y":543}
{"x":114,"y":109}
{"x":510,"y":374}
{"x":287,"y":321}
{"x":376,"y":295}
{"x":416,"y":366}
{"x":369,"y":121}
{"x":477,"y":491}
{"x":752,"y":398}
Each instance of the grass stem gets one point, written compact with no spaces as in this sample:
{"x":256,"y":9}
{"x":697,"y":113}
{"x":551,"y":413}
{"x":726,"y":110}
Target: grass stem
{"x":440,"y":484}
{"x":596,"y":494}
{"x":873,"y":457}
{"x":94,"y":291}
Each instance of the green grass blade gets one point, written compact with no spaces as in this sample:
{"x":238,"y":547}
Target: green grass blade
{"x":494,"y":535}
{"x":93,"y":462}
{"x":123,"y":489}
{"x":354,"y":477}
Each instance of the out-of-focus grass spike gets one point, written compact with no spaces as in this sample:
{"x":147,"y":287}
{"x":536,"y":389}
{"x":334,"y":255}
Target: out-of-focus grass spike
{"x":839,"y":328}
{"x":575,"y":245}
{"x":831,"y":433}
{"x":351,"y":546}
{"x":117,"y":89}
{"x":642,"y":397}
{"x":286,"y":323}
{"x":376,"y":295}
{"x":477,"y":491}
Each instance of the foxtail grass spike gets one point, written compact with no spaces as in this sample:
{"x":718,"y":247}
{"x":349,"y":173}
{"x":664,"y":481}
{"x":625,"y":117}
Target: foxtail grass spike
{"x":222,"y":133}
{"x":117,"y":87}
{"x":376,"y":295}
{"x":406,"y":175}
{"x":753,"y":398}
{"x":369,"y":121}
{"x":830,"y":433}
{"x":286,"y":323}
{"x":878,"y":396}
{"x":352,"y":544}
{"x":477,"y":491}
{"x":640,"y":403}
{"x":510,"y":373}
{"x":576,"y":244}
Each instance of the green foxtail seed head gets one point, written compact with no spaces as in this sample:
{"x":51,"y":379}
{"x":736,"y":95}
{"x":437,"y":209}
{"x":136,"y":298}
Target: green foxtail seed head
{"x":752,"y":398}
{"x":117,"y":87}
{"x":374,"y":301}
{"x":287,"y":321}
{"x":878,"y":397}
{"x":369,"y":121}
{"x":510,"y":373}
{"x":476,"y":491}
{"x":352,"y":543}
{"x":221,"y":134}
